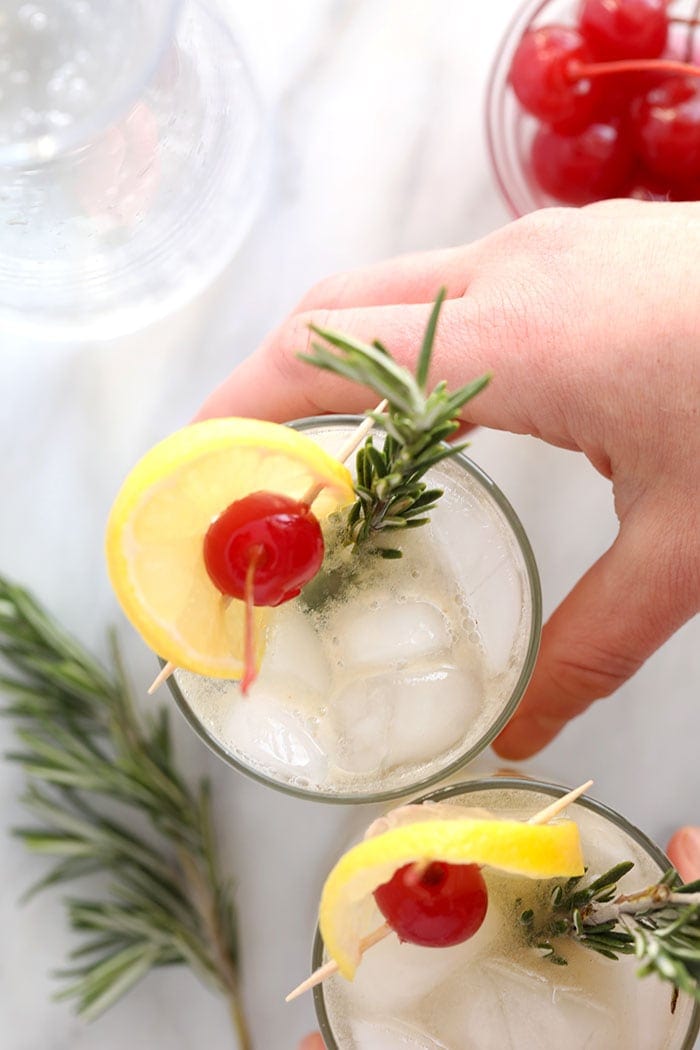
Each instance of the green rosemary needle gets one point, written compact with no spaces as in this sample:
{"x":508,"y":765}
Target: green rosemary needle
{"x":84,"y":750}
{"x":660,"y":924}
{"x":391,"y":493}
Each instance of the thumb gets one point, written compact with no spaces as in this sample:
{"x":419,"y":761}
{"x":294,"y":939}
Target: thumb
{"x":684,"y":853}
{"x":619,"y":613}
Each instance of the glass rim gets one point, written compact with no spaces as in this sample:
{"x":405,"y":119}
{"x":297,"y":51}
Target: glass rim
{"x":494,"y":728}
{"x":496,"y":86}
{"x":541,"y":787}
{"x":28,"y":153}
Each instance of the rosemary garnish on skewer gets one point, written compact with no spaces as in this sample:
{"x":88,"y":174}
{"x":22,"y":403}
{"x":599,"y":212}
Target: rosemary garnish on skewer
{"x":95,"y":773}
{"x":659,"y":924}
{"x":390,"y":491}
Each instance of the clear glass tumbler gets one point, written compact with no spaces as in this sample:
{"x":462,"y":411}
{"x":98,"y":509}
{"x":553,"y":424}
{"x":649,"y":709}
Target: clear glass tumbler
{"x":133,"y":154}
{"x":495,"y":991}
{"x":401,"y":676}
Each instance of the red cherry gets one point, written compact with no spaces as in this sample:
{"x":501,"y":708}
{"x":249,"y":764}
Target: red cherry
{"x":624,"y":28}
{"x":279,"y":534}
{"x":616,"y":93}
{"x":667,"y":126}
{"x":540,"y":77}
{"x":647,"y":187}
{"x":443,"y":905}
{"x":578,"y":169}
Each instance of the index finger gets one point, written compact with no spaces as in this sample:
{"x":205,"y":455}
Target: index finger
{"x":275,"y":384}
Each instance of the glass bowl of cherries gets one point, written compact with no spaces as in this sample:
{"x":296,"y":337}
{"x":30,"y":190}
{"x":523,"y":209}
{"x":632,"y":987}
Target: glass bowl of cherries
{"x":592,"y":99}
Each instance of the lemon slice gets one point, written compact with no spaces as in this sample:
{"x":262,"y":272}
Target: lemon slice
{"x":157,"y":524}
{"x":537,"y":851}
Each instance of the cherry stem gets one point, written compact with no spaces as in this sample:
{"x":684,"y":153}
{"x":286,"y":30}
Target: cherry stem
{"x":585,"y":70}
{"x":250,"y":672}
{"x":417,"y":871}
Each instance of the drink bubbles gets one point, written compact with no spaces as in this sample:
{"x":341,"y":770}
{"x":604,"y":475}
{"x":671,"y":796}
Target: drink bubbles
{"x":384,"y":674}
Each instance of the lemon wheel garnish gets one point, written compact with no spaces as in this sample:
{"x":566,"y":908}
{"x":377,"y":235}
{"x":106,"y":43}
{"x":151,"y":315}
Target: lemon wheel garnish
{"x":157,"y":525}
{"x":536,"y":851}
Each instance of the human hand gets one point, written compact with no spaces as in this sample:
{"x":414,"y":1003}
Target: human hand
{"x":588,"y":320}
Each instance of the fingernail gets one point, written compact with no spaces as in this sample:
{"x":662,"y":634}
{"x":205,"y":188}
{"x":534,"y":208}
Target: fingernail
{"x":684,"y":852}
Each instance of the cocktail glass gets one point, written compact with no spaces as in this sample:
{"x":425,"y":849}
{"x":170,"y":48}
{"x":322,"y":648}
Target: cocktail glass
{"x":496,"y":991}
{"x":132,"y":159}
{"x":403,"y":674}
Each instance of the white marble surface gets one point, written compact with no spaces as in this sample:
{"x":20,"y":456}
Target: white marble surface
{"x":377,"y":112}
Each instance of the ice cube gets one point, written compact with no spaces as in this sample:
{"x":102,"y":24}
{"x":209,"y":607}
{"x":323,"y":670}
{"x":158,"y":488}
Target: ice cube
{"x":294,"y":665}
{"x":474,"y":544}
{"x":354,"y":733}
{"x":498,"y":606}
{"x":432,"y":712}
{"x":273,"y":737}
{"x":370,"y":1035}
{"x":502,"y":1005}
{"x":602,"y":840}
{"x":390,"y":634}
{"x":401,"y":717}
{"x":469,"y":536}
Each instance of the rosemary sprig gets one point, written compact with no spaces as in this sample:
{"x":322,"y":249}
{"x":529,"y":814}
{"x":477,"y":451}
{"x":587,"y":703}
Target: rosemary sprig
{"x":390,"y":491}
{"x":84,"y":750}
{"x":660,"y":924}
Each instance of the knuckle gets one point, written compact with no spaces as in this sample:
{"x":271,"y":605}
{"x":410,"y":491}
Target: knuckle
{"x":290,"y":341}
{"x":590,"y":674}
{"x":545,"y":233}
{"x":328,"y":293}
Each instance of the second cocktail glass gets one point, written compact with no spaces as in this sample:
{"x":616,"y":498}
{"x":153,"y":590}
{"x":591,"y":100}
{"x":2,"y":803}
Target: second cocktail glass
{"x":499,"y":989}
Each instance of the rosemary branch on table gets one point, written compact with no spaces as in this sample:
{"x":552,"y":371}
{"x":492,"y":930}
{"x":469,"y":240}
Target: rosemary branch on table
{"x":390,"y":491}
{"x":86,"y":754}
{"x":659,"y":924}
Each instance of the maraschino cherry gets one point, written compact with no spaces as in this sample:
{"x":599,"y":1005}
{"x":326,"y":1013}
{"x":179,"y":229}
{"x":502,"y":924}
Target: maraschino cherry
{"x":441,"y":905}
{"x":262,"y":549}
{"x":288,"y":539}
{"x":540,"y":75}
{"x":666,"y":122}
{"x":586,"y":167}
{"x":624,"y":28}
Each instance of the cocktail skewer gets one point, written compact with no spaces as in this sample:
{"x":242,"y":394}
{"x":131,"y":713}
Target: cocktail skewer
{"x":169,"y":668}
{"x":331,"y":967}
{"x":549,"y":812}
{"x":162,"y":676}
{"x":352,"y":443}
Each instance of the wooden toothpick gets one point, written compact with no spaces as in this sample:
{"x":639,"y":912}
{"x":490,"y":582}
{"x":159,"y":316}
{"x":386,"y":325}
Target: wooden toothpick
{"x":331,"y":967}
{"x":546,"y":814}
{"x":352,"y":443}
{"x":162,"y":676}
